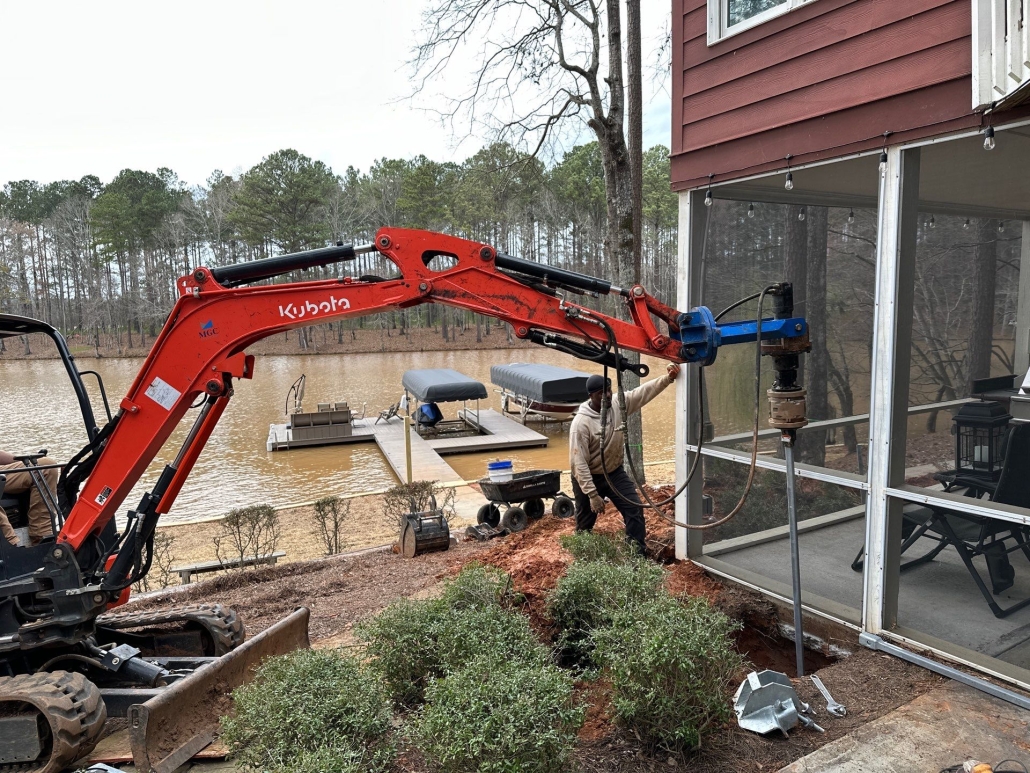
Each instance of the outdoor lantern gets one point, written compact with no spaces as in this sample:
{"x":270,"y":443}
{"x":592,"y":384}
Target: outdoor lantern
{"x":979,"y":430}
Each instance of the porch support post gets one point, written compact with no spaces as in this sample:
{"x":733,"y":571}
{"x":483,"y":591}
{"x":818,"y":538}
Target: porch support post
{"x":1021,"y":361}
{"x":692,"y":217}
{"x":888,"y":417}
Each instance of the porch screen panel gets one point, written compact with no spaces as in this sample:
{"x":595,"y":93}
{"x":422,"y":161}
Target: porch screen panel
{"x":965,"y":500}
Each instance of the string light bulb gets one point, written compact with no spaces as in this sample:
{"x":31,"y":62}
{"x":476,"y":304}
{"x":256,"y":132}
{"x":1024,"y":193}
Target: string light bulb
{"x":933,"y":223}
{"x":966,"y":224}
{"x":1001,"y":226}
{"x":801,"y":214}
{"x":708,"y":193}
{"x":751,"y":210}
{"x":851,"y":215}
{"x":789,"y":183}
{"x":989,"y":138}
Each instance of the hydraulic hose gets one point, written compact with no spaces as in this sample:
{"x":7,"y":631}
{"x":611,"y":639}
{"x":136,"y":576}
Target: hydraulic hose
{"x":754,"y":438}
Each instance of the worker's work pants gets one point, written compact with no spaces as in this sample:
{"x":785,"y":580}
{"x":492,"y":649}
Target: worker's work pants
{"x":623,"y":494}
{"x":19,"y":482}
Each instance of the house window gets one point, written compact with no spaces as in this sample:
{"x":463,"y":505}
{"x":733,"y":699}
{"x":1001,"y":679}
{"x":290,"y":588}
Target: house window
{"x":728,"y":17}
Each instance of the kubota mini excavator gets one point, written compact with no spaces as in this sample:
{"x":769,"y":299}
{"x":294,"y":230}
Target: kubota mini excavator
{"x":67,"y":661}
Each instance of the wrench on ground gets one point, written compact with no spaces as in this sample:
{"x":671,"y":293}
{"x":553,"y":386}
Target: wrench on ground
{"x":831,"y":705}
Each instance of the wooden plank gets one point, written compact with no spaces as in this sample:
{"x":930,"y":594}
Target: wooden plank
{"x":695,"y":36}
{"x":751,"y":84}
{"x":230,"y":563}
{"x":426,"y":464}
{"x":936,"y":110}
{"x":114,"y":749}
{"x":792,"y":35}
{"x":940,"y":64}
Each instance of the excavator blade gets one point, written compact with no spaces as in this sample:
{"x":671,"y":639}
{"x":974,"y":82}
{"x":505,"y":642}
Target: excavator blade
{"x":170,"y":728}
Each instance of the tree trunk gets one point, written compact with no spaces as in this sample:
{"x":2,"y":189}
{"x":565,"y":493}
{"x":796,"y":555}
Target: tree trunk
{"x":981,"y":326}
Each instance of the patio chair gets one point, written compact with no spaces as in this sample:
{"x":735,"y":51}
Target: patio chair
{"x":388,"y":413}
{"x":972,"y":535}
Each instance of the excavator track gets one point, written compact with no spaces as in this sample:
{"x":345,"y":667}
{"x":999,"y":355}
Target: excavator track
{"x":222,"y":625}
{"x":73,"y":715}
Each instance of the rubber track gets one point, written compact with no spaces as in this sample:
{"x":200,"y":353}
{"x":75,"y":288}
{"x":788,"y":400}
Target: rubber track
{"x":73,"y":707}
{"x":222,"y":623}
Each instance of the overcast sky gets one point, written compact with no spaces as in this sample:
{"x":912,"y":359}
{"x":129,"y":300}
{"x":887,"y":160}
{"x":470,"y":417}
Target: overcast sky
{"x":96,"y":87}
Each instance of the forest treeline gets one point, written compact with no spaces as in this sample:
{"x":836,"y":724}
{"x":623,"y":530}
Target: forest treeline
{"x":101,"y":260}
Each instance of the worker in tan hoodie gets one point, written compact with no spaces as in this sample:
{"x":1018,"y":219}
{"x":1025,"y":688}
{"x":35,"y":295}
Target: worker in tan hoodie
{"x":589,"y":483}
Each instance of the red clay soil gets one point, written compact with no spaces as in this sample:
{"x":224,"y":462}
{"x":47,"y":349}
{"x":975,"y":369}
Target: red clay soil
{"x":345,"y":589}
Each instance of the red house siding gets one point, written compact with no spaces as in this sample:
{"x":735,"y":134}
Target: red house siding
{"x":825,"y":80}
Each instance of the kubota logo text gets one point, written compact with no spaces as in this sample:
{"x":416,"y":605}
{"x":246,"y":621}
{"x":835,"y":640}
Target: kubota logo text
{"x":312,"y":309}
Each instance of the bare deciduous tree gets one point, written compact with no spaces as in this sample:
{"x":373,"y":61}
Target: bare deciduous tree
{"x":546,"y":68}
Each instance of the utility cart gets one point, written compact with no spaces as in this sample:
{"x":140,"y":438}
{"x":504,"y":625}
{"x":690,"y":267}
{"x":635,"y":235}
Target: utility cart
{"x":529,"y":489}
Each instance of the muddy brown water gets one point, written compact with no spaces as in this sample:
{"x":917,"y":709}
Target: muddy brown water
{"x":39,"y":411}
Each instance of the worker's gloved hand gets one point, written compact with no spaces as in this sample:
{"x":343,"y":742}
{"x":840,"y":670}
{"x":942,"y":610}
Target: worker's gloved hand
{"x":673,"y":370}
{"x":596,"y":504}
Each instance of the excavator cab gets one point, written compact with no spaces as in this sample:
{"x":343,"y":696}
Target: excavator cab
{"x":67,"y":663}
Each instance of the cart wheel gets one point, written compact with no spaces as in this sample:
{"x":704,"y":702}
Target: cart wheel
{"x":489,"y":514}
{"x":563,"y":507}
{"x":534,"y":508}
{"x":514,"y":519}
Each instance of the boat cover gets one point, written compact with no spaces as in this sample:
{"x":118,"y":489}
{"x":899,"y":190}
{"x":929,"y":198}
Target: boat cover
{"x":541,"y":383}
{"x":442,"y":385}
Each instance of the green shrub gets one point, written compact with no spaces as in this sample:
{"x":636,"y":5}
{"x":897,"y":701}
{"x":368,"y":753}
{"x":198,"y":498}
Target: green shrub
{"x":591,"y":546}
{"x":478,"y":586}
{"x":499,"y":718}
{"x":670,"y":664}
{"x":412,"y":642}
{"x":491,"y":633}
{"x":312,"y":710}
{"x":401,"y":642}
{"x":590,"y":595}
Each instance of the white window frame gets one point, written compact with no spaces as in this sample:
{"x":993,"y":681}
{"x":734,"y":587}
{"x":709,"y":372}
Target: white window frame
{"x":718,"y":30}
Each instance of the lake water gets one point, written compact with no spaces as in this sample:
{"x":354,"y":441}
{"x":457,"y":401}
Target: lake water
{"x":39,"y":411}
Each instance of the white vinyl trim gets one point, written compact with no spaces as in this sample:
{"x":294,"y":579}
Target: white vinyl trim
{"x":717,"y":13}
{"x":1001,"y":49}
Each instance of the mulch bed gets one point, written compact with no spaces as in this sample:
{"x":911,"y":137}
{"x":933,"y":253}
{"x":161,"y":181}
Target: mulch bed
{"x":345,"y":589}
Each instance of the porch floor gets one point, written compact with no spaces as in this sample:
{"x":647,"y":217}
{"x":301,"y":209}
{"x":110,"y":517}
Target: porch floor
{"x":938,"y":598}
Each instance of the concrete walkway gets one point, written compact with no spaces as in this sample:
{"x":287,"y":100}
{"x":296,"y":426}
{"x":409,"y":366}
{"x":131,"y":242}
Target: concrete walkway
{"x":944,"y":727}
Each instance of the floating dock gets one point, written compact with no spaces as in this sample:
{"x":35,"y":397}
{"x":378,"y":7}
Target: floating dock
{"x":426,"y":463}
{"x":498,"y":433}
{"x":279,"y":439}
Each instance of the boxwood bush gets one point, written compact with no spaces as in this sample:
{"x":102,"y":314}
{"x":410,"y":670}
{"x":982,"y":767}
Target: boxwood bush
{"x":493,"y":717}
{"x":590,"y":595}
{"x":401,"y":643}
{"x":311,"y":710}
{"x":670,"y":664}
{"x":478,"y":586}
{"x":413,"y":642}
{"x":593,"y":546}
